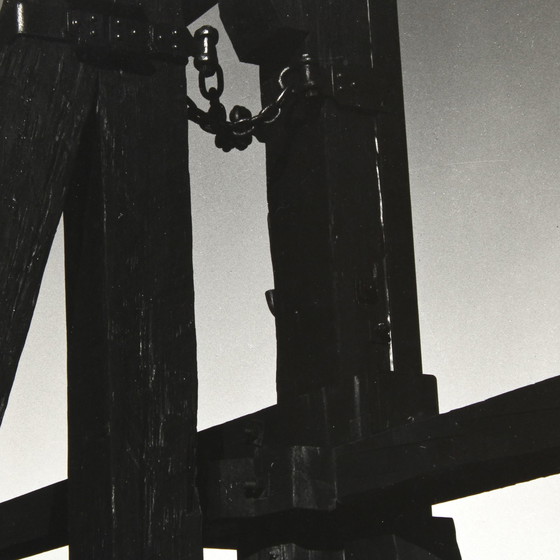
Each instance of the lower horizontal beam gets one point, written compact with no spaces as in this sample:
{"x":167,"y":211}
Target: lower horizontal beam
{"x":505,"y":440}
{"x":34,"y":523}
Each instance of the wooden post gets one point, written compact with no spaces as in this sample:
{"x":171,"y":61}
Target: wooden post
{"x":338,"y":192}
{"x":345,"y":309}
{"x":132,"y":382}
{"x":341,"y":236}
{"x":131,"y":340}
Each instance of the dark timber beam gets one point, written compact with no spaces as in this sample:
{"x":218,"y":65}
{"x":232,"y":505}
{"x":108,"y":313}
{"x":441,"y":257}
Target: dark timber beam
{"x":505,"y":440}
{"x":34,"y":173}
{"x":132,"y":384}
{"x":193,"y":9}
{"x":338,"y":191}
{"x":340,"y":225}
{"x":35,"y":522}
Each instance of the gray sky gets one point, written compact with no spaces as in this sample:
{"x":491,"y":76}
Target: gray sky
{"x":481,"y":88}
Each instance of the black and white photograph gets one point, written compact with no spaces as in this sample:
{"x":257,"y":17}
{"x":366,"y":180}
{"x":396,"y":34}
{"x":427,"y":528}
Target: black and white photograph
{"x":278,"y":279}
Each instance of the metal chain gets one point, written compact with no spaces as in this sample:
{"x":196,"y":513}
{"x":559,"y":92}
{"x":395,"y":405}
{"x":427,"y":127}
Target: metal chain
{"x":238,"y":131}
{"x":242,"y":126}
{"x":268,"y":115}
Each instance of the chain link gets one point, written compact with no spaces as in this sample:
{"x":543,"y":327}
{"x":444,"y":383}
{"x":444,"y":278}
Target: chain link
{"x":242,"y":124}
{"x":238,"y":131}
{"x":268,"y":115}
{"x":213,"y":92}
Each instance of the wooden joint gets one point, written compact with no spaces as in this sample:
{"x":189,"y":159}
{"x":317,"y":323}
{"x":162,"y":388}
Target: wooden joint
{"x":96,"y":35}
{"x":262,"y":31}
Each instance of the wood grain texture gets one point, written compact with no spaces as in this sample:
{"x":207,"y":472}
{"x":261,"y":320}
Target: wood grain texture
{"x":340,"y":225}
{"x":339,"y":203}
{"x":505,"y":440}
{"x":485,"y":446}
{"x":45,"y":95}
{"x":131,"y":340}
{"x":157,"y":11}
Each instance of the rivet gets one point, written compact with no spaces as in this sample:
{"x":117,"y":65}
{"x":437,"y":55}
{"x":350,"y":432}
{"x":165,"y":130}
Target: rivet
{"x":252,"y":489}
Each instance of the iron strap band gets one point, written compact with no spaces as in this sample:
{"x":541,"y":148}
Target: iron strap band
{"x":97,"y":32}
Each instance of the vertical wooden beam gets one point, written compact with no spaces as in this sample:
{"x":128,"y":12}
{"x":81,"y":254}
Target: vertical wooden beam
{"x":45,"y":95}
{"x":339,"y":209}
{"x":131,"y":339}
{"x":341,"y":231}
{"x":338,"y":193}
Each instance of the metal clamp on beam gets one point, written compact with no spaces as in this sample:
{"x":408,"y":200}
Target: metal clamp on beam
{"x":359,"y":87}
{"x":97,"y":33}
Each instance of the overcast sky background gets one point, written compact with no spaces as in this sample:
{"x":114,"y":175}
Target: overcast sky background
{"x":481,"y":84}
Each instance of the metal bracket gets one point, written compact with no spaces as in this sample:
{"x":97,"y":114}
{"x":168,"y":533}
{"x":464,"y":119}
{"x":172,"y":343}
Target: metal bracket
{"x":359,"y":87}
{"x":274,"y":480}
{"x":97,"y":33}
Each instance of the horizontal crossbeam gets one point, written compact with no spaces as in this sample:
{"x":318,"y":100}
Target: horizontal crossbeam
{"x":505,"y":440}
{"x":34,"y":523}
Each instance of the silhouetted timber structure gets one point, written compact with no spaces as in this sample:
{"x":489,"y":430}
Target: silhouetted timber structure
{"x":93,"y":124}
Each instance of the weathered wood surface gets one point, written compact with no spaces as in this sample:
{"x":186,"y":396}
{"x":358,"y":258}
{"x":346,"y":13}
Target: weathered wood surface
{"x":35,"y":522}
{"x":193,"y":9}
{"x":131,"y":341}
{"x":338,"y":194}
{"x":503,"y":441}
{"x":45,"y":95}
{"x":339,"y":220}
